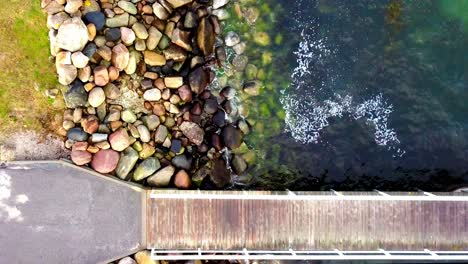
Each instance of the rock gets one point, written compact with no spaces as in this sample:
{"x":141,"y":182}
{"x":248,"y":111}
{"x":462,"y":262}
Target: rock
{"x":111,"y":90}
{"x":190,"y":20}
{"x":56,"y":20}
{"x":66,"y":73}
{"x":127,"y":260}
{"x":53,"y":7}
{"x":128,"y":7}
{"x":182,"y":39}
{"x":77,"y":134}
{"x":239,"y":165}
{"x":90,"y":49}
{"x":84,"y":74}
{"x":182,"y":162}
{"x":146,"y":168}
{"x":146,"y":151}
{"x":127,"y":161}
{"x":159,"y":11}
{"x":113,"y":34}
{"x":232,"y":137}
{"x":161,"y":134}
{"x":72,"y":35}
{"x":79,"y":59}
{"x":175,"y":53}
{"x":151,"y":122}
{"x":132,"y":63}
{"x":206,"y":36}
{"x":219,"y":3}
{"x":154,"y":59}
{"x":193,"y":132}
{"x":96,"y":18}
{"x":140,"y":45}
{"x":239,"y":48}
{"x":162,"y":178}
{"x":185,"y":93}
{"x":182,"y":180}
{"x":76,"y":95}
{"x":119,"y":140}
{"x":144,"y":257}
{"x":154,"y":36}
{"x":90,"y":6}
{"x":221,"y":14}
{"x":220,"y":175}
{"x":211,"y":106}
{"x":105,"y":52}
{"x":73,"y":6}
{"x":96,"y":97}
{"x":179,"y":3}
{"x":198,"y":80}
{"x":105,"y":160}
{"x":80,"y":157}
{"x":128,"y":116}
{"x":120,"y":57}
{"x":90,"y":124}
{"x":144,"y":133}
{"x":118,"y":21}
{"x":173,"y":82}
{"x":68,"y":124}
{"x":252,"y":88}
{"x":240,"y":62}
{"x":228,"y":92}
{"x":140,"y":31}
{"x":99,"y":137}
{"x":219,"y":119}
{"x":152,"y":95}
{"x":176,"y":146}
{"x":101,"y":76}
{"x":261,"y":38}
{"x":127,"y":35}
{"x":231,"y":39}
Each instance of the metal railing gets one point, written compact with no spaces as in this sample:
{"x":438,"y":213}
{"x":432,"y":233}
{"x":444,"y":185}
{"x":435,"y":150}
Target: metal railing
{"x":291,"y":254}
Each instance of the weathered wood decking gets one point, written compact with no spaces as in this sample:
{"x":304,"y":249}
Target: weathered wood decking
{"x":364,"y":221}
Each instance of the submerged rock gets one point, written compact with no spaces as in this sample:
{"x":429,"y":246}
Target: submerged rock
{"x":193,"y":132}
{"x":232,"y":137}
{"x":220,"y":175}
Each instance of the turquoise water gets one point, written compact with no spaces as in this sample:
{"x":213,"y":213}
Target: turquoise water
{"x":363,"y":95}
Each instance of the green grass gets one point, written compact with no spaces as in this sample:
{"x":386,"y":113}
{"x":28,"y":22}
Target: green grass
{"x":26,"y":71}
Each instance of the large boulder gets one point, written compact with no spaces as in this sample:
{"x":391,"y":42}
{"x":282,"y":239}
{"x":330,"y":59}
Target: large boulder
{"x":72,"y":35}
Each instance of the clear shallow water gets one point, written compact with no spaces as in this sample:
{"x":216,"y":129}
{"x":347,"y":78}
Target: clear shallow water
{"x":377,"y":97}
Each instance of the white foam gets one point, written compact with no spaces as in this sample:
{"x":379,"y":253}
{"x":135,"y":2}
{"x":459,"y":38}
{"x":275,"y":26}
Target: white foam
{"x":307,"y":112}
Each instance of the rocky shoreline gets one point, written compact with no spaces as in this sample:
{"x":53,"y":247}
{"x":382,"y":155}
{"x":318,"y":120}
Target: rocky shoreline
{"x":136,"y":76}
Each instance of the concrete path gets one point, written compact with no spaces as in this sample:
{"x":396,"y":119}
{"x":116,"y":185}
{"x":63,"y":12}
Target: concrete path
{"x":69,"y":215}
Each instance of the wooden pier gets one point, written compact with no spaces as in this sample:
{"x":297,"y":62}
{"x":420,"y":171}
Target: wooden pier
{"x":60,"y":213}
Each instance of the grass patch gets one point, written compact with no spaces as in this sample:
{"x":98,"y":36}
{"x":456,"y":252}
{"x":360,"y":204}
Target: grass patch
{"x":26,"y":71}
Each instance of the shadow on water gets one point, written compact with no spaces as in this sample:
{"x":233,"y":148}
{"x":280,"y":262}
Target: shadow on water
{"x":376,"y":100}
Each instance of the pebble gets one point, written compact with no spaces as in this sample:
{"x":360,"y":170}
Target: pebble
{"x":76,"y":95}
{"x":154,"y":59}
{"x":239,"y":48}
{"x":128,"y":7}
{"x":128,"y":116}
{"x":111,"y":90}
{"x":118,"y":21}
{"x":182,"y":162}
{"x":105,"y":160}
{"x":90,"y":124}
{"x":119,"y":140}
{"x":73,"y":6}
{"x":159,"y":11}
{"x":193,"y":132}
{"x":144,"y":133}
{"x":80,"y":157}
{"x":231,"y":39}
{"x":96,"y":18}
{"x":79,"y":59}
{"x":66,"y":73}
{"x":146,"y":168}
{"x":140,"y":31}
{"x":127,"y":260}
{"x":161,"y":134}
{"x":220,"y":175}
{"x":219,"y":3}
{"x":154,"y":36}
{"x":144,"y":257}
{"x":198,"y":80}
{"x":152,"y":95}
{"x":182,"y":180}
{"x":127,"y":35}
{"x":72,"y":35}
{"x":126,"y":163}
{"x":99,"y":137}
{"x":151,"y":122}
{"x":173,"y":82}
{"x":232,"y":137}
{"x":185,"y":93}
{"x":113,"y":34}
{"x":239,"y":165}
{"x":101,"y":76}
{"x":96,"y":97}
{"x":120,"y":57}
{"x":162,"y":178}
{"x":206,"y":37}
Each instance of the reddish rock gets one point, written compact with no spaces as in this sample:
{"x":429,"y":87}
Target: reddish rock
{"x":90,"y":125}
{"x":119,"y":140}
{"x":101,"y":76}
{"x":80,"y":157}
{"x":198,"y":80}
{"x":120,"y":56}
{"x":105,"y":160}
{"x":80,"y":145}
{"x":113,"y":74}
{"x":185,"y":93}
{"x":182,"y":180}
{"x":193,"y":132}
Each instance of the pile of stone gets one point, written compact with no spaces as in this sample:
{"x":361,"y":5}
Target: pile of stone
{"x":135,"y":76}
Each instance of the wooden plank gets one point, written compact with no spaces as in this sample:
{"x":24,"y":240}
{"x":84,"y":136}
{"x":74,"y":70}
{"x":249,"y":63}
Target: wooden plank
{"x":263,"y":224}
